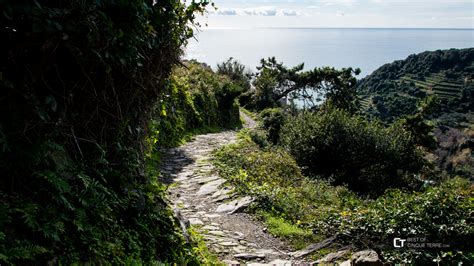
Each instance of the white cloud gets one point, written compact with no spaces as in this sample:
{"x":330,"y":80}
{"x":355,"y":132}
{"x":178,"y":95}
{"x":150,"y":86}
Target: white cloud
{"x":260,"y":11}
{"x":256,"y":11}
{"x":343,"y":13}
{"x":339,"y":2}
{"x":226,"y":12}
{"x":289,"y":13}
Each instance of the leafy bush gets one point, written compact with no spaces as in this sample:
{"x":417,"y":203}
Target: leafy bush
{"x":236,"y":71}
{"x":196,"y":99}
{"x":350,"y":150}
{"x":292,"y":204}
{"x":260,"y":137}
{"x":273,"y":177}
{"x":272,"y":121}
{"x":442,"y":214}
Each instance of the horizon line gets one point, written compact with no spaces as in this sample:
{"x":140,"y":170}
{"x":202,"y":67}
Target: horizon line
{"x":349,"y":28}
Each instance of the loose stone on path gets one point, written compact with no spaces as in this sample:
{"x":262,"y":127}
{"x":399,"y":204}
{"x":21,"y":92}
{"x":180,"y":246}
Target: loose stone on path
{"x":212,"y":207}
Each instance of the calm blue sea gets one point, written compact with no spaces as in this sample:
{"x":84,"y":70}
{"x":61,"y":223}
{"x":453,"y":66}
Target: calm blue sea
{"x":367,"y":49}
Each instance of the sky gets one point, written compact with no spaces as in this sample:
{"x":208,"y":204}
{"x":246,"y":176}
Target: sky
{"x":341,"y":13}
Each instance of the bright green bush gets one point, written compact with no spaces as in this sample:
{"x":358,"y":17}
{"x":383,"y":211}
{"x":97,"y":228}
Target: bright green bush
{"x":292,"y":204}
{"x":274,"y":178}
{"x":260,"y":137}
{"x":272,"y":121}
{"x":197,"y":99}
{"x":441,"y":214}
{"x":350,"y":150}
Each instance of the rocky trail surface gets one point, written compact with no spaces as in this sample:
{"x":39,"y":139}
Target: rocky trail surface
{"x":204,"y":200}
{"x":207,"y":202}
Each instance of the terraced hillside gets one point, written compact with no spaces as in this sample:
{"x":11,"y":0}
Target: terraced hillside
{"x":394,"y":89}
{"x":437,"y":84}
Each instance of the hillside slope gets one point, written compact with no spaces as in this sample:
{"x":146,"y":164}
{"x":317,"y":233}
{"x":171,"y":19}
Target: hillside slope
{"x":394,"y":89}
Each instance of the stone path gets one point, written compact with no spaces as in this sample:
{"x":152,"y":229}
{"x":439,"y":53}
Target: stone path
{"x":204,"y":199}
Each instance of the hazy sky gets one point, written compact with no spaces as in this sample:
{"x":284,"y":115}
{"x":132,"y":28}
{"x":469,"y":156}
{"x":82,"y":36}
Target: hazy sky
{"x":342,"y":13}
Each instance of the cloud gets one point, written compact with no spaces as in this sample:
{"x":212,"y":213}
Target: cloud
{"x":226,"y":12}
{"x":290,"y":13}
{"x":338,"y":2}
{"x":260,"y":11}
{"x":256,"y":11}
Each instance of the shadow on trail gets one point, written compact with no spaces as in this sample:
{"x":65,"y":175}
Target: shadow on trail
{"x":173,"y":162}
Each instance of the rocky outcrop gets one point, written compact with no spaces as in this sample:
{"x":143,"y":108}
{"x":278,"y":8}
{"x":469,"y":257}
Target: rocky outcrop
{"x":366,"y":258}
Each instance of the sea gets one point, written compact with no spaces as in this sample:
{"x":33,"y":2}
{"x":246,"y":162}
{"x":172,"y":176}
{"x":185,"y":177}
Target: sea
{"x":363,"y":48}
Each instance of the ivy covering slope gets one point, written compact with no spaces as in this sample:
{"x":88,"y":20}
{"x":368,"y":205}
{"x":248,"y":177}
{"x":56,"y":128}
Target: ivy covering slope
{"x":197,"y":100}
{"x":78,"y":83}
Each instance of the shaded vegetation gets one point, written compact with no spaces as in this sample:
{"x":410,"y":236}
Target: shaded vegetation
{"x":350,"y":150}
{"x":197,"y":100}
{"x":272,"y":120}
{"x":291,"y":204}
{"x":79,"y":81}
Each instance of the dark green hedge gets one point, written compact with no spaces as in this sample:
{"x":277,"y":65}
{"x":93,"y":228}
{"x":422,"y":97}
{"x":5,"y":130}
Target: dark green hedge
{"x":78,"y":82}
{"x":351,"y":150}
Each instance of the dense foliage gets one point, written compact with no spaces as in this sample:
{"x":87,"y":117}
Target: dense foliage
{"x":196,"y":100}
{"x":236,"y":71}
{"x":394,"y":92}
{"x":274,"y":178}
{"x":78,"y":82}
{"x":393,"y":89}
{"x":275,"y":85}
{"x":292,"y":204}
{"x":272,"y":119}
{"x":351,"y":150}
{"x":441,"y":214}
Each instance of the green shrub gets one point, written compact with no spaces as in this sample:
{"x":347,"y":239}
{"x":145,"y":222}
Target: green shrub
{"x":249,"y":164}
{"x":236,"y":71}
{"x":442,"y":214}
{"x":273,"y":177}
{"x":272,"y":121}
{"x":350,"y":150}
{"x":292,"y":205}
{"x":260,"y":137}
{"x":195,"y":99}
{"x":287,"y":202}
